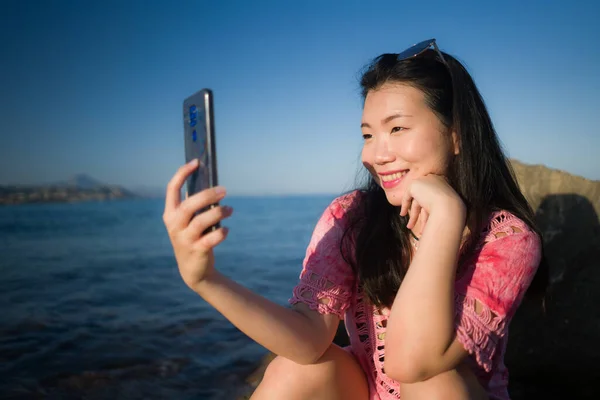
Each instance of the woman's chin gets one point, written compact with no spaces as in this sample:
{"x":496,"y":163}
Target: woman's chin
{"x":394,"y":197}
{"x":394,"y":191}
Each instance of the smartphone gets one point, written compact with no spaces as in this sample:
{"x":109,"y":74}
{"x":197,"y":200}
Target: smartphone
{"x":199,"y":142}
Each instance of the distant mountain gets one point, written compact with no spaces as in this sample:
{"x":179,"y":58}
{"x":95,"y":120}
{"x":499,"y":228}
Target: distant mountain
{"x":78,"y":188}
{"x":84,"y":181}
{"x":81,"y":181}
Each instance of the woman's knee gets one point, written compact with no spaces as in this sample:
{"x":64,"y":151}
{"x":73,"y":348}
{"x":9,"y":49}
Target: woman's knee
{"x":336,"y":375}
{"x":289,"y":375}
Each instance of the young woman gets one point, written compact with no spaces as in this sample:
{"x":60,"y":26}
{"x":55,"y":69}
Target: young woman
{"x":426,"y":264}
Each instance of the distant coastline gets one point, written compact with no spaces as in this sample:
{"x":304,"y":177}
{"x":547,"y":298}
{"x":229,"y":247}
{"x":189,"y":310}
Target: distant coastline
{"x":10,"y":195}
{"x":78,"y":188}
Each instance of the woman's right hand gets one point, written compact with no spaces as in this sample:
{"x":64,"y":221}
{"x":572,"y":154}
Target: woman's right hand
{"x":193,"y":249}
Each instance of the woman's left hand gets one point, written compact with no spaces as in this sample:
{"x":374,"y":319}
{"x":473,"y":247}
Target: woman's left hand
{"x":427,"y":194}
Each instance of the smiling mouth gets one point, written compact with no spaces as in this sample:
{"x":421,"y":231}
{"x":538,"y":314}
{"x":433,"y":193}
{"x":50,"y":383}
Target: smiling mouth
{"x":393,"y":177}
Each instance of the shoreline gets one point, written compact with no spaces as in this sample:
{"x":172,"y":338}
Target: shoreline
{"x":14,"y":195}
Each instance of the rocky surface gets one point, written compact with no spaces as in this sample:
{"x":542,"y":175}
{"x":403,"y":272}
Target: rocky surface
{"x":553,"y":354}
{"x":556,"y":355}
{"x":537,"y":182}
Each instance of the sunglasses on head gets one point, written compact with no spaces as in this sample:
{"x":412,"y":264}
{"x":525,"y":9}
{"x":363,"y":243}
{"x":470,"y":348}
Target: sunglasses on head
{"x":420,"y":48}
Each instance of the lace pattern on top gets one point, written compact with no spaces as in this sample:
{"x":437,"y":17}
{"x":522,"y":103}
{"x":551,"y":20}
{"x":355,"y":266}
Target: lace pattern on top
{"x":327,"y":281}
{"x":320,"y":294}
{"x":389,"y":385}
{"x":477,"y":330}
{"x":486,"y":296}
{"x":478,"y":327}
{"x":503,"y":224}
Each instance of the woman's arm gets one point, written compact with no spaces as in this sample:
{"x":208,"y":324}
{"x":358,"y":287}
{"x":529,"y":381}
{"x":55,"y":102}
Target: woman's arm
{"x":485,"y":300}
{"x":420,"y":331}
{"x":299,"y":334}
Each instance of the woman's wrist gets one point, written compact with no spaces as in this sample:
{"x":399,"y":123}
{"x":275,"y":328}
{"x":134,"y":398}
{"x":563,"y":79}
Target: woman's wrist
{"x":214,"y":277}
{"x":452,"y":212}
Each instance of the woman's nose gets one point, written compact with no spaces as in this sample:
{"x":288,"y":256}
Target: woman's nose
{"x":382,"y":152}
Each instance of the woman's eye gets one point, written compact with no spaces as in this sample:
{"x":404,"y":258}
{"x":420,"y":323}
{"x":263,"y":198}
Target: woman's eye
{"x":397,"y":129}
{"x":366,"y":136}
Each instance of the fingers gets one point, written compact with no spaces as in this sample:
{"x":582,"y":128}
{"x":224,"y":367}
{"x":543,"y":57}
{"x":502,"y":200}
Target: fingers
{"x":405,"y":205}
{"x":415,"y":211}
{"x":423,"y":217}
{"x":178,"y":214}
{"x":173,"y":194}
{"x":211,"y":239}
{"x":205,"y":220}
{"x":199,"y":201}
{"x":409,"y":203}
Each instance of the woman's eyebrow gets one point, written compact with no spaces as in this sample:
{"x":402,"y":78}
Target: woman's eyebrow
{"x":386,"y":119}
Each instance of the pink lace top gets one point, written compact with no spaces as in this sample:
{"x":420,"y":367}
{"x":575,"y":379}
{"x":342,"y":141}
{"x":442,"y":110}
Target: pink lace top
{"x":495,"y":278}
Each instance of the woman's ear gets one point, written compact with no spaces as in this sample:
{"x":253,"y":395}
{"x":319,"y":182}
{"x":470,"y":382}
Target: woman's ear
{"x":455,"y":143}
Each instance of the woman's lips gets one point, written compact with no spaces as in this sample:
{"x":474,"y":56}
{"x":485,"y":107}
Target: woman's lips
{"x":390,"y":180}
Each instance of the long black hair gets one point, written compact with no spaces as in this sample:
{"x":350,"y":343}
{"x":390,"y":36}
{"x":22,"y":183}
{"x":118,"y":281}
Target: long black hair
{"x":480,"y":174}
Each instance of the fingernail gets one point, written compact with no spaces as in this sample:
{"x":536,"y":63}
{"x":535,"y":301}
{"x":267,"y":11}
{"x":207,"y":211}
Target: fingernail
{"x":220,"y":190}
{"x":193,"y":162}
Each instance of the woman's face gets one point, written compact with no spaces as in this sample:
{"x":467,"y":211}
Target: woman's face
{"x":403,"y":139}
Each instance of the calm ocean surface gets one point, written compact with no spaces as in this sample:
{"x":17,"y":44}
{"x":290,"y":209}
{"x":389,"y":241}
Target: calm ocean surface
{"x":93,"y":305}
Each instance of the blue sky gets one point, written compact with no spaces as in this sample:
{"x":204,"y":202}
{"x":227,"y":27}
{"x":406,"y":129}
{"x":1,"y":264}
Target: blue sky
{"x":97,"y":87}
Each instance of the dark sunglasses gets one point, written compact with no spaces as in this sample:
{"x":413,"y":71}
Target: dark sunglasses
{"x":420,"y":48}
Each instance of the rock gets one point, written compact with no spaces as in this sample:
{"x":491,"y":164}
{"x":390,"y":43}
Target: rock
{"x":556,"y":354}
{"x":537,"y":182}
